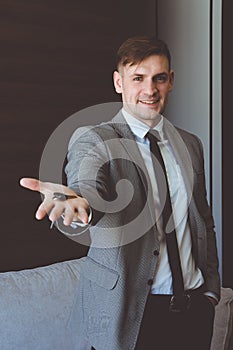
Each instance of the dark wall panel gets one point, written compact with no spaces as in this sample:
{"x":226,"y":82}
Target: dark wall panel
{"x":56,"y":58}
{"x":227,"y":60}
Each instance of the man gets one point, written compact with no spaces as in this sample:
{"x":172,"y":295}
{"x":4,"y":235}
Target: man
{"x":129,"y":296}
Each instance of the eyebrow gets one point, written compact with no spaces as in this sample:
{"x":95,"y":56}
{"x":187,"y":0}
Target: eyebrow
{"x":141,"y":74}
{"x":137,"y":75}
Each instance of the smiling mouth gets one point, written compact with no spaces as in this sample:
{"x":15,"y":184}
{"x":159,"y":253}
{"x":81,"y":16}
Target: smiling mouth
{"x":150,"y":102}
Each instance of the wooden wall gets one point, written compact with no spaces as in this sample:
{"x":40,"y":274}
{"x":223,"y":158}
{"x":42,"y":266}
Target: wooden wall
{"x":227,"y":74}
{"x":57,"y":58}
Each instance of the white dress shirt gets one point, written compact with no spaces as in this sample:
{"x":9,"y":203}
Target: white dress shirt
{"x":192,"y":275}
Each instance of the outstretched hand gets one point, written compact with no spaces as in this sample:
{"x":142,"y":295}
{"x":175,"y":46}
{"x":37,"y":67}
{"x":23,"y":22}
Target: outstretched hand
{"x":73,"y":209}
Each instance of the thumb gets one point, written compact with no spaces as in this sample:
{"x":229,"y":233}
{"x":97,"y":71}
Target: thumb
{"x":30,"y":183}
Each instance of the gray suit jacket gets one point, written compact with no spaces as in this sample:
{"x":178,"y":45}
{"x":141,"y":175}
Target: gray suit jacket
{"x":106,"y":167}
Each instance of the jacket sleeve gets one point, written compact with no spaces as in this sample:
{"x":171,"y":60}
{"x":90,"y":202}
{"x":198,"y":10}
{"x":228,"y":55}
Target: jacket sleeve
{"x":211,"y":275}
{"x":87,"y":169}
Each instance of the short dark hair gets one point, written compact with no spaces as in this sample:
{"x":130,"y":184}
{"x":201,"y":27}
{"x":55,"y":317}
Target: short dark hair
{"x":134,"y":50}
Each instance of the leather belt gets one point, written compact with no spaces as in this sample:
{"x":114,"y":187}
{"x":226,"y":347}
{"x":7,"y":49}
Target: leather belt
{"x":181,"y":303}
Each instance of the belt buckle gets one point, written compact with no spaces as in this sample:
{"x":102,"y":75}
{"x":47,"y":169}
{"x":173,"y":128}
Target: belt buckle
{"x":180,"y":304}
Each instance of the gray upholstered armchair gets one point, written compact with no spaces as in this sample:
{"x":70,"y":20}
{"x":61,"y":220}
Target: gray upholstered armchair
{"x":35,"y":306}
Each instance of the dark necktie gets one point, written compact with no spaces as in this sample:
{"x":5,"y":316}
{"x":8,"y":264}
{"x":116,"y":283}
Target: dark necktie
{"x":168,"y":225}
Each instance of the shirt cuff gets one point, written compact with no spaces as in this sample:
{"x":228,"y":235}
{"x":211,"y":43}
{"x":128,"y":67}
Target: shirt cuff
{"x":212,"y":295}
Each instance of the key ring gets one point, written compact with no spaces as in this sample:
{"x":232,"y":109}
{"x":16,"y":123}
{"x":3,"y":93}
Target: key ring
{"x":58,"y":196}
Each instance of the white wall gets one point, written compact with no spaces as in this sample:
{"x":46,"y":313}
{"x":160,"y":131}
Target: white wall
{"x":217,"y":165}
{"x":185,"y":26}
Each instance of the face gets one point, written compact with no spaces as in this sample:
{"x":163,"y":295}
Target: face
{"x":144,"y":88}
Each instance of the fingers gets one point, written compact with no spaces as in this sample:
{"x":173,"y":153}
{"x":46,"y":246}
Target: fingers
{"x":212,"y":300}
{"x":32,"y":184}
{"x":83,"y":215}
{"x":73,"y":210}
{"x":69,"y":215}
{"x":56,"y":212}
{"x":47,"y":188}
{"x":44,"y":209}
{"x":53,"y":209}
{"x":76,"y":210}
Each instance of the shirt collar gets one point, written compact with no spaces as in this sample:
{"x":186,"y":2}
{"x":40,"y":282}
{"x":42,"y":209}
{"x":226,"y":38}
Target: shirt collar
{"x":139,"y":128}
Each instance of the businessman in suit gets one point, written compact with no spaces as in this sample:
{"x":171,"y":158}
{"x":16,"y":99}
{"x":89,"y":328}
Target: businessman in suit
{"x":150,"y":279}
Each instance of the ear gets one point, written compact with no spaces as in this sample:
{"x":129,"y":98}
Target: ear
{"x":117,"y":80}
{"x":171,"y":79}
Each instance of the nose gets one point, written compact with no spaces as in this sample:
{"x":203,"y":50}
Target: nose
{"x":150,"y":87}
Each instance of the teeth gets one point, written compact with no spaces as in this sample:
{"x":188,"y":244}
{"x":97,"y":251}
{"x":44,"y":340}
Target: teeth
{"x":149,"y":102}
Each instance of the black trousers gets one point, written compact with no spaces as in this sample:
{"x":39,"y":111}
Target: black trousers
{"x":162,"y":329}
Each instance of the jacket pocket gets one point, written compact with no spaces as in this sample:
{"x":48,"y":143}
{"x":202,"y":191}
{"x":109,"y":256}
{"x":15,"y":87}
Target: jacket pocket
{"x":99,"y":274}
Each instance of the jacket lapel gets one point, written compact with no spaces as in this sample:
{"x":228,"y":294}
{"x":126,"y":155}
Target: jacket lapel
{"x":183,"y":154}
{"x":129,"y":143}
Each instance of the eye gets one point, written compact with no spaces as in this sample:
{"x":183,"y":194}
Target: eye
{"x":139,"y":78}
{"x":161,"y":78}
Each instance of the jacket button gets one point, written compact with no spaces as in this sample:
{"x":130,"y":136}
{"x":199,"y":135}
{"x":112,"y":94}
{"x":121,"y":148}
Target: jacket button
{"x":156,"y":252}
{"x":150,"y":282}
